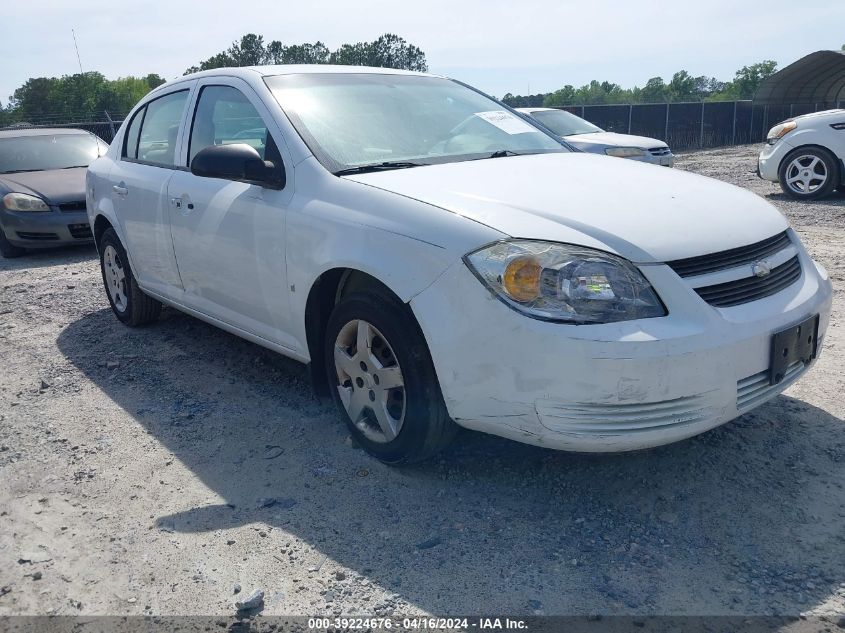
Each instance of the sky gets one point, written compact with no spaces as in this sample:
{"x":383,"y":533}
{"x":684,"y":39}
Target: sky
{"x":499,"y":46}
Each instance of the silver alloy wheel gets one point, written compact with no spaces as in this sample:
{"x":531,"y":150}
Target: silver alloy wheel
{"x":115,"y":277}
{"x":806,"y":174}
{"x":370,"y":382}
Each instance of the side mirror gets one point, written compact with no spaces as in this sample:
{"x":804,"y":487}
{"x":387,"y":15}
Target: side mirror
{"x":240,"y":162}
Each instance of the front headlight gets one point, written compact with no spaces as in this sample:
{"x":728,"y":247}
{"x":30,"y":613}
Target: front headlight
{"x":779,"y":131}
{"x":561,"y":282}
{"x":624,"y":152}
{"x":24,"y":202}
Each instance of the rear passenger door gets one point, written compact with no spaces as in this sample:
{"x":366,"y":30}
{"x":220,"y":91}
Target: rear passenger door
{"x":139,"y":180}
{"x":229,"y":236}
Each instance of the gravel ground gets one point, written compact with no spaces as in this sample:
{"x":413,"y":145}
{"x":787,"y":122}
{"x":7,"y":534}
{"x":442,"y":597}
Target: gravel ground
{"x":158,"y":470}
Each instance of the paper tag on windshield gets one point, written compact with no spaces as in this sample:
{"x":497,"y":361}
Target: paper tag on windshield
{"x":506,"y":122}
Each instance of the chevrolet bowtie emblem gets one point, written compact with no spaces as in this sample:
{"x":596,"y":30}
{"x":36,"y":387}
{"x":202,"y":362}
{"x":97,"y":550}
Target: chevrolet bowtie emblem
{"x":761,"y":268}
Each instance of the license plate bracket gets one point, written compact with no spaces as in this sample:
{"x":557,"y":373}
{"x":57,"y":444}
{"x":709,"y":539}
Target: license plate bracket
{"x":798,"y":342}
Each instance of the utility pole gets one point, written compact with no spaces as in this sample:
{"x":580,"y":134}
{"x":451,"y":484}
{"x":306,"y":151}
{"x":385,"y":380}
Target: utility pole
{"x":76,"y":46}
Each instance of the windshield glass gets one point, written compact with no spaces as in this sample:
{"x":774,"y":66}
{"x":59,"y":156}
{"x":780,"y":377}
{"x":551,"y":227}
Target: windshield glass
{"x":351,"y":120}
{"x":49,"y":151}
{"x":565,"y":123}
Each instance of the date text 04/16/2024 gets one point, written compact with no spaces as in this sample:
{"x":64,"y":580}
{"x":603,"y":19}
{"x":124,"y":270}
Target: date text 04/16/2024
{"x":417,"y":623}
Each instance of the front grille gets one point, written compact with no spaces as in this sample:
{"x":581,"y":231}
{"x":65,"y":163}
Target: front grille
{"x":739,"y":291}
{"x":756,"y":389}
{"x":69,"y":207}
{"x":28,"y":235}
{"x":732,"y":258}
{"x":659,"y":151}
{"x":80,"y":231}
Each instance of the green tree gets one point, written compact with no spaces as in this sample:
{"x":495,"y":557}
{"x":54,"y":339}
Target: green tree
{"x":388,"y":51}
{"x":746,"y":81}
{"x":561,"y":97}
{"x":682,"y":87}
{"x":79,"y":96}
{"x":654,"y":91}
{"x":316,"y":53}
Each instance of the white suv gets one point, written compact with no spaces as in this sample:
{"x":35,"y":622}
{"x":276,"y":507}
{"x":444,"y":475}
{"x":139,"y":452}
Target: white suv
{"x":805,"y":154}
{"x":439,"y":261}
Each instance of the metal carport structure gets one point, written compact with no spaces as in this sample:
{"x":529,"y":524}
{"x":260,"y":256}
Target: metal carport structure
{"x":816,"y":80}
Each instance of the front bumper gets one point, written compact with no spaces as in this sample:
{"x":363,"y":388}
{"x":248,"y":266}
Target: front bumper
{"x":771,"y":156}
{"x":664,"y":160}
{"x":614,"y":387}
{"x":46,"y":229}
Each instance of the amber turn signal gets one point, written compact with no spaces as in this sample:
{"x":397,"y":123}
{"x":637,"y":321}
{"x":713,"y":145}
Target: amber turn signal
{"x":522,"y":279}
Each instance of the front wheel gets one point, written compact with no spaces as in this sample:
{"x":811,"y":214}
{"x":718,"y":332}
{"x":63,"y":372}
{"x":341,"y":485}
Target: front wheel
{"x":127,"y":300}
{"x":383,"y":381}
{"x":808,"y":173}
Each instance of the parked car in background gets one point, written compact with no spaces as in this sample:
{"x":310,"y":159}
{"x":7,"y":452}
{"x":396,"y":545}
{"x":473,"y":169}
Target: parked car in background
{"x":591,"y":138}
{"x":440,"y":261}
{"x":805,"y":154}
{"x":42,"y":187}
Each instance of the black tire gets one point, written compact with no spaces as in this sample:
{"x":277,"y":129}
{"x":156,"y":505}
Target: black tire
{"x":9,"y":250}
{"x":831,"y":166}
{"x":139,"y":309}
{"x":426,"y":428}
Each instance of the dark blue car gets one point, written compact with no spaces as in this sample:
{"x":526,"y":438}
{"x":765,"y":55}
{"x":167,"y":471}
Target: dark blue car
{"x":42,"y":187}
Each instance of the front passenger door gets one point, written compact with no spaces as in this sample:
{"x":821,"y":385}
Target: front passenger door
{"x":229,"y":236}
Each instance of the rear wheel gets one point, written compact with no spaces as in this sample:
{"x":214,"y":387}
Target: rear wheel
{"x":9,"y":250}
{"x":127,"y":300}
{"x":383,"y":381}
{"x":809,"y":173}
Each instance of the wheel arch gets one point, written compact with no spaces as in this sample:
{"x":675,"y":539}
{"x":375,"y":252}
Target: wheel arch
{"x":101,"y":225}
{"x":325,"y":293}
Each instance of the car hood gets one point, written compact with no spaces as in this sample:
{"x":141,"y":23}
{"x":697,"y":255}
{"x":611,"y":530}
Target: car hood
{"x":612,"y":139}
{"x":822,"y":114}
{"x":54,"y":186}
{"x":633,"y":209}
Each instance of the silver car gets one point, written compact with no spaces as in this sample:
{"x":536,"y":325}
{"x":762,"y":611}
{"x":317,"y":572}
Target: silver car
{"x":591,"y":138}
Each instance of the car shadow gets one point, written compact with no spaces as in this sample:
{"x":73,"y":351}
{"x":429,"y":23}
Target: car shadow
{"x":40,"y":258}
{"x":745,"y":519}
{"x":834,"y":199}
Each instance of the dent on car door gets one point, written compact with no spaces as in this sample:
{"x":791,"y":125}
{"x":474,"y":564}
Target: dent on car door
{"x":139,"y":189}
{"x":229,"y":236}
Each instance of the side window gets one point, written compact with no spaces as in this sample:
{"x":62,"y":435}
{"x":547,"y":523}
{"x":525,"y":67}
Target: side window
{"x":130,"y":141}
{"x":223,"y":116}
{"x":160,"y":129}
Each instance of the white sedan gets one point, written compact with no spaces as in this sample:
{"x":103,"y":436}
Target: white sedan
{"x":591,"y":138}
{"x":440,"y":262}
{"x":805,"y":154}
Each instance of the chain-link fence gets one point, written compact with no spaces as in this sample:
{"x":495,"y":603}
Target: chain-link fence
{"x":695,"y":125}
{"x":103,"y":124}
{"x":681,"y":125}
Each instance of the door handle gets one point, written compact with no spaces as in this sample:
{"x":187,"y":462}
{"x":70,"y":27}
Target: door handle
{"x":120,"y":190}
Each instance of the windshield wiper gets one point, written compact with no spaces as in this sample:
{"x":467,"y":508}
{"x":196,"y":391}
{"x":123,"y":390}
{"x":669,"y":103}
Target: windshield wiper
{"x":504,"y":152}
{"x":19,"y":171}
{"x":385,"y":166}
{"x":73,"y":167}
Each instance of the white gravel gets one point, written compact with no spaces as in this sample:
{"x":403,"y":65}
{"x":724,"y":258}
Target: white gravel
{"x":154,"y":469}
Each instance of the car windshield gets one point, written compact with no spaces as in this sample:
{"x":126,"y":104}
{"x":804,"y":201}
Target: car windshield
{"x":48,"y":151}
{"x":354,"y":120}
{"x":565,"y":123}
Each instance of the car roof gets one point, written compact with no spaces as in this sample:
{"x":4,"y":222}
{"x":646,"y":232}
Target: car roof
{"x":300,"y":69}
{"x":250,"y":72}
{"x":16,"y":132}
